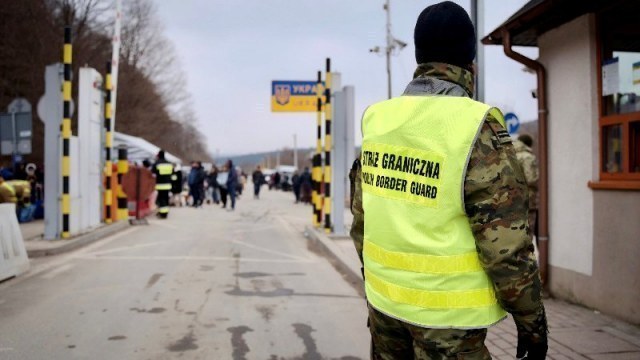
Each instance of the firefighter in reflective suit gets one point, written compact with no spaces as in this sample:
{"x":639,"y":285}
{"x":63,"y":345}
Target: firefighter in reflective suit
{"x":163,"y":170}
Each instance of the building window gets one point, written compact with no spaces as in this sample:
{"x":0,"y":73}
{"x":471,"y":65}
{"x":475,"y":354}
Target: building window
{"x":619,"y":121}
{"x":634,"y":144}
{"x":612,"y":152}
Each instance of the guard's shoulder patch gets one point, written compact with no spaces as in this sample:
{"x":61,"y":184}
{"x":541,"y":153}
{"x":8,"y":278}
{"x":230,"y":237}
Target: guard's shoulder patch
{"x":501,"y":135}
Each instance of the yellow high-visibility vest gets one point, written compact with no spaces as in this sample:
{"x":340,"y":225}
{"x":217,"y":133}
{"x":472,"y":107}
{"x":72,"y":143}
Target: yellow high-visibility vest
{"x":22,"y":190}
{"x":420,"y":259}
{"x":163,"y":181}
{"x":11,"y":191}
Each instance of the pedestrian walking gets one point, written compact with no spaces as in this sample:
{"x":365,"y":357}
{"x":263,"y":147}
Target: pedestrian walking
{"x":276,"y":180}
{"x":212,"y":183}
{"x":258,"y":179}
{"x":176,"y":186}
{"x":440,"y":219}
{"x":295,"y":185}
{"x":232,"y":184}
{"x":305,"y":186}
{"x":242,"y":182}
{"x":163,"y":170}
{"x":196,"y":183}
{"x":222,"y":182}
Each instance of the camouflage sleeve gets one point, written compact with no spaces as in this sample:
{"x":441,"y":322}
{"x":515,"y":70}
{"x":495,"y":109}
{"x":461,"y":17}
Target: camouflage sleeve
{"x":357,"y":228}
{"x":530,"y":167}
{"x":496,"y":204}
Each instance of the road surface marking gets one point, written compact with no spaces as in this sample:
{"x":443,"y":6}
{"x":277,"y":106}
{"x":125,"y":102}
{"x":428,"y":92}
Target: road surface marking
{"x":123,"y":248}
{"x":107,"y":240}
{"x":37,"y":270}
{"x":268,"y":251}
{"x":3,"y":349}
{"x":288,"y":226}
{"x":53,"y":273}
{"x":253,"y":229}
{"x":164,"y":225}
{"x":194,"y":258}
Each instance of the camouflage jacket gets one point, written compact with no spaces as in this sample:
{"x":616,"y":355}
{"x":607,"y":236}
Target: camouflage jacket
{"x":529,"y":163}
{"x":495,"y":194}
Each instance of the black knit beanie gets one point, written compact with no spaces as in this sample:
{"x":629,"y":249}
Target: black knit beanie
{"x":444,"y":33}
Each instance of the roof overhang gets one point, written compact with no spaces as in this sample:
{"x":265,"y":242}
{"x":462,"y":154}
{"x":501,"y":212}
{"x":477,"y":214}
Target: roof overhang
{"x":539,"y":16}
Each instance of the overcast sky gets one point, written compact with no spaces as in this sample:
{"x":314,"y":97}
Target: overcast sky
{"x":232,"y":50}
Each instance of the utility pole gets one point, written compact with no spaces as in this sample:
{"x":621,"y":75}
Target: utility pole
{"x":477,"y":16}
{"x":295,"y":151}
{"x":392,"y":44}
{"x":389,"y":47}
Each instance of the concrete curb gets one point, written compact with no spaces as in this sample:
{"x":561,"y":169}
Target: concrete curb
{"x":78,"y":241}
{"x":322,"y":244}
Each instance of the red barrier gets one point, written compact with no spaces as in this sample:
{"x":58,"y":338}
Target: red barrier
{"x":139,"y":185}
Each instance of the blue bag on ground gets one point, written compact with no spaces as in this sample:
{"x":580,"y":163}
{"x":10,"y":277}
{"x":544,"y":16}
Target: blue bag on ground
{"x":25,"y":214}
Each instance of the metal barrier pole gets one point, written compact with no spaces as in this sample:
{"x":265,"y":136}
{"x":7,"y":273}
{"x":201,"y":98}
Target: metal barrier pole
{"x":108,"y":195}
{"x":66,"y":132}
{"x":317,"y":158}
{"x":138,"y":185}
{"x":327,"y":150}
{"x":123,"y":168}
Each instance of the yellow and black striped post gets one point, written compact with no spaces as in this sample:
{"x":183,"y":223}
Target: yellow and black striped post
{"x":123,"y":168}
{"x":317,"y":158}
{"x":327,"y":149}
{"x":108,"y":171}
{"x":66,"y":132}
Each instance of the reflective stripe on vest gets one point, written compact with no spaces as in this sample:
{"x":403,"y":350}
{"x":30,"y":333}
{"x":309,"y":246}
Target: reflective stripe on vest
{"x":12,"y":192}
{"x":420,"y":259}
{"x":164,"y":169}
{"x":9,"y":187}
{"x":163,"y":186}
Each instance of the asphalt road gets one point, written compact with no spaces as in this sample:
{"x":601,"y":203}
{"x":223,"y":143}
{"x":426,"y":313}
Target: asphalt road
{"x":204,"y":284}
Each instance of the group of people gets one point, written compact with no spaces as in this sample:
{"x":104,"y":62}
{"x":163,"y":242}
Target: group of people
{"x":300,"y":184}
{"x":217,"y":186}
{"x":221,"y":184}
{"x":24,"y":186}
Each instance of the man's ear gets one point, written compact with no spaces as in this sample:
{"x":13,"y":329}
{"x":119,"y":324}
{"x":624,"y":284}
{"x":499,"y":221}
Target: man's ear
{"x":472,"y":67}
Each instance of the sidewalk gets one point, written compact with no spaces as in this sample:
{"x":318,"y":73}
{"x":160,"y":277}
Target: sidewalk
{"x":576,"y":333}
{"x":32,"y":230}
{"x":32,"y":233}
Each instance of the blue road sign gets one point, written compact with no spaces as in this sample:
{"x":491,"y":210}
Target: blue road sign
{"x":512,"y":122}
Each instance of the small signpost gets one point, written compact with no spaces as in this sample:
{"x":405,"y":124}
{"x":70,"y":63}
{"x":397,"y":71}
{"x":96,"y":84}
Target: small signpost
{"x":512,"y":122}
{"x":15,"y":130}
{"x":293,"y":96}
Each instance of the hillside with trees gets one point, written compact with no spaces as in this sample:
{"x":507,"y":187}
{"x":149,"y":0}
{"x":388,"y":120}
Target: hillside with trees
{"x":152,"y":99}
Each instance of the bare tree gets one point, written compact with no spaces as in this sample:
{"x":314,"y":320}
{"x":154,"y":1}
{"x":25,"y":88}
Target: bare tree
{"x":153,"y":101}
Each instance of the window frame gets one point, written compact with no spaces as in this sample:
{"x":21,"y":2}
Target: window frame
{"x":626,"y":179}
